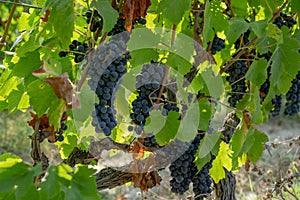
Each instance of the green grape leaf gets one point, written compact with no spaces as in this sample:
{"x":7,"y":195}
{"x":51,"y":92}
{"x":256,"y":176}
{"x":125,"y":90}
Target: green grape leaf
{"x":87,"y":99}
{"x":239,"y":8}
{"x":285,"y":64}
{"x":200,"y":162}
{"x":256,"y":150}
{"x":295,"y":6}
{"x":223,"y":159}
{"x":213,"y":19}
{"x":84,"y":184}
{"x":13,"y":172}
{"x":121,"y":103}
{"x":237,"y":26}
{"x":61,"y":175}
{"x":155,"y":122}
{"x":189,"y":124}
{"x":259,"y":27}
{"x":8,"y":84}
{"x":257,"y":72}
{"x":37,"y":90}
{"x":169,"y":130}
{"x":63,"y":12}
{"x":178,"y":63}
{"x":3,"y":105}
{"x":142,"y":38}
{"x":250,"y":142}
{"x":56,"y":109}
{"x":23,"y":21}
{"x":54,"y":191}
{"x":205,"y":109}
{"x":108,"y":13}
{"x":208,"y":33}
{"x":213,"y":82}
{"x":69,"y":143}
{"x":142,"y":56}
{"x":208,"y":143}
{"x":168,"y":8}
{"x":26,"y":64}
{"x":18,"y":100}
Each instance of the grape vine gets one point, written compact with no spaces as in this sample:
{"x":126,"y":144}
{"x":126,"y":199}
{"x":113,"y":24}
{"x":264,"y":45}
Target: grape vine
{"x":67,"y":57}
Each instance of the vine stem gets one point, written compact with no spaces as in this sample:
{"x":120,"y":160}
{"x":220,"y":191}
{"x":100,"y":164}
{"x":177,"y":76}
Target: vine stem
{"x":223,"y":104}
{"x":167,"y":68}
{"x":163,"y":85}
{"x":21,"y":4}
{"x":276,"y":14}
{"x":11,"y":14}
{"x":222,"y":70}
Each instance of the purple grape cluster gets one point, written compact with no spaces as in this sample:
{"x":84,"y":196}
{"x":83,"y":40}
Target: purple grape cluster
{"x":293,"y":97}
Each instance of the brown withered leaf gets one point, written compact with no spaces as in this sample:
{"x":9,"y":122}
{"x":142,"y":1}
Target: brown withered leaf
{"x":44,"y":125}
{"x":149,"y":177}
{"x":247,"y":118}
{"x":134,"y":9}
{"x":137,"y":150}
{"x":40,"y":70}
{"x":45,"y":19}
{"x":63,"y":88}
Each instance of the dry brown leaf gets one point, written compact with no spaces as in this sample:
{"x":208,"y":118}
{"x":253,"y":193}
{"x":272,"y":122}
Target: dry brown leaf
{"x":63,"y":88}
{"x":44,"y":125}
{"x":137,"y":150}
{"x":45,"y":19}
{"x":134,"y":9}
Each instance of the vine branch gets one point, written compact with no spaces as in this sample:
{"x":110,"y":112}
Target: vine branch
{"x":11,"y":14}
{"x":21,"y":4}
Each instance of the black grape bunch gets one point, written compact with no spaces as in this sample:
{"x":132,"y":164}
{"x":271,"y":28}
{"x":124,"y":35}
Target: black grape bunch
{"x":107,"y":67}
{"x":242,"y":40}
{"x":264,"y":89}
{"x":78,"y":49}
{"x":184,"y":171}
{"x":148,"y":84}
{"x":236,"y":78}
{"x":293,"y":97}
{"x":217,"y":45}
{"x":58,"y":135}
{"x":119,"y":27}
{"x":284,"y":20}
{"x":202,"y":182}
{"x":94,"y":19}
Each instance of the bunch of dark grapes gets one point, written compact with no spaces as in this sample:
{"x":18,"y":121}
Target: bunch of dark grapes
{"x":236,"y":77}
{"x":148,"y":84}
{"x":119,"y":27}
{"x":202,"y":182}
{"x":78,"y":49}
{"x":264,"y":89}
{"x":167,"y":107}
{"x":243,"y":39}
{"x":107,"y":67}
{"x":58,"y":134}
{"x":217,"y":45}
{"x":140,"y":20}
{"x":293,"y":97}
{"x":94,"y":19}
{"x":183,"y":169}
{"x":277,"y":102}
{"x":284,"y":20}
